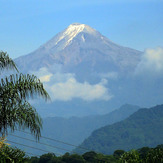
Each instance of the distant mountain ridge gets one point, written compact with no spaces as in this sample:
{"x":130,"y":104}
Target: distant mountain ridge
{"x":142,"y":128}
{"x":75,"y":129}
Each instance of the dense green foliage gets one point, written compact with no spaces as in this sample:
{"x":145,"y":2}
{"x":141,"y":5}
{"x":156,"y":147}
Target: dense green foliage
{"x":12,"y":155}
{"x":89,"y":157}
{"x":143,"y":128}
{"x":15,"y":89}
{"x":142,"y":155}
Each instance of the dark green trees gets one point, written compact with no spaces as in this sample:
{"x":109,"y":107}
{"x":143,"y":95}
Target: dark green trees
{"x":10,"y":154}
{"x":142,"y":155}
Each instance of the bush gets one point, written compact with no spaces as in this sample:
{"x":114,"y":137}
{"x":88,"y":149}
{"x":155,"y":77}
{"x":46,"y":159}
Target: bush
{"x":10,"y":154}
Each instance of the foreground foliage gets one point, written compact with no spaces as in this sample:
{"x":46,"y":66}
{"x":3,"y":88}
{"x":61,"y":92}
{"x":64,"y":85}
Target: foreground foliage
{"x":9,"y":154}
{"x":13,"y":155}
{"x":142,"y":155}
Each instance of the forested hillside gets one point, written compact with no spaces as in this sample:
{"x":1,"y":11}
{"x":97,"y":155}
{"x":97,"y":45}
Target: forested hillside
{"x":72,"y":130}
{"x":76,"y":129}
{"x":143,"y":128}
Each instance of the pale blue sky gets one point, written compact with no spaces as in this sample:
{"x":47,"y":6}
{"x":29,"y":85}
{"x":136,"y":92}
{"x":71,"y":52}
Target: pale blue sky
{"x":27,"y":24}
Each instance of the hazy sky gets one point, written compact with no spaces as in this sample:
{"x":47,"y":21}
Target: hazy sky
{"x":26,"y":24}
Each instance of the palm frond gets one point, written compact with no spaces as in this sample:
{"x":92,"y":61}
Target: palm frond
{"x":6,"y":62}
{"x":14,"y":109}
{"x":22,"y":115}
{"x":24,"y":86}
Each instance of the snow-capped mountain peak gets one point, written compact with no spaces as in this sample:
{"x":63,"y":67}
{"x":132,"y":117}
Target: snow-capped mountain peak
{"x":64,"y":38}
{"x":77,"y":28}
{"x":73,"y":30}
{"x":79,"y":44}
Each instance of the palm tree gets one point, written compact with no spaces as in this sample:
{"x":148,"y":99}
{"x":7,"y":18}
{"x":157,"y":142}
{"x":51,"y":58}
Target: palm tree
{"x":15,"y":111}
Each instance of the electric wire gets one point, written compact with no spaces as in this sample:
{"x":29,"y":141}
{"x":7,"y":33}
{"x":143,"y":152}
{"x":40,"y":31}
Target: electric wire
{"x":43,"y":150}
{"x":39,"y":149}
{"x":33,"y":147}
{"x":42,"y":143}
{"x":59,"y":141}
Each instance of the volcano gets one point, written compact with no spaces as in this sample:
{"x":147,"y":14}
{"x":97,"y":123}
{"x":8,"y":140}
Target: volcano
{"x":82,"y":69}
{"x":80,"y":47}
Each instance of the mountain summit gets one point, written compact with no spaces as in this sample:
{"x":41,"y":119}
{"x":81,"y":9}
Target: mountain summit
{"x":83,"y":71}
{"x":73,"y":30}
{"x":65,"y":38}
{"x":79,"y":47}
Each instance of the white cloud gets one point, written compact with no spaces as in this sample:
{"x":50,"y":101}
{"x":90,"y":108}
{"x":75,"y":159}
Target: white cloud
{"x":151,"y":62}
{"x":45,"y":78}
{"x":64,"y":87}
{"x":72,"y":89}
{"x":43,"y":74}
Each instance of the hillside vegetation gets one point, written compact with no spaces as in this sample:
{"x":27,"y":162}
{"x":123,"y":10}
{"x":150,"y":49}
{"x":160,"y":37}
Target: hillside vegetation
{"x":72,"y":130}
{"x":143,"y":128}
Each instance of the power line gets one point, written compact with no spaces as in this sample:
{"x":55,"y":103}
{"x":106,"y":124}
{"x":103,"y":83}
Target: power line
{"x":32,"y":147}
{"x":41,"y":143}
{"x":41,"y":150}
{"x":59,"y":141}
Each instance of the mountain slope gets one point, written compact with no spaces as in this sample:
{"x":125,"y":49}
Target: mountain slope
{"x":143,"y":128}
{"x":76,"y":129}
{"x":80,"y":45}
{"x":73,"y":130}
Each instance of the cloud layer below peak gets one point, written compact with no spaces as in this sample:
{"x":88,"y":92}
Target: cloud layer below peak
{"x":65,"y":87}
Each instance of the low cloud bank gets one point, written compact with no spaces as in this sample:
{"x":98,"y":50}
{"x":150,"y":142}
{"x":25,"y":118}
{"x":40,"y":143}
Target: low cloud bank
{"x":65,"y":87}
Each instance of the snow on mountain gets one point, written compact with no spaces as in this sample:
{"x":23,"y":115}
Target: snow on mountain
{"x":64,"y":38}
{"x":80,"y":45}
{"x":73,"y":30}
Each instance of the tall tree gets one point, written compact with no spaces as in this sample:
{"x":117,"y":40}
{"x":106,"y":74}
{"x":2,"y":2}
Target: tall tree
{"x":15,"y":89}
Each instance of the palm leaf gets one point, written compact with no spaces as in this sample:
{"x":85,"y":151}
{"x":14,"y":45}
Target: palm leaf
{"x":21,"y":116}
{"x":6,"y":62}
{"x":24,"y":86}
{"x":14,"y":109}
